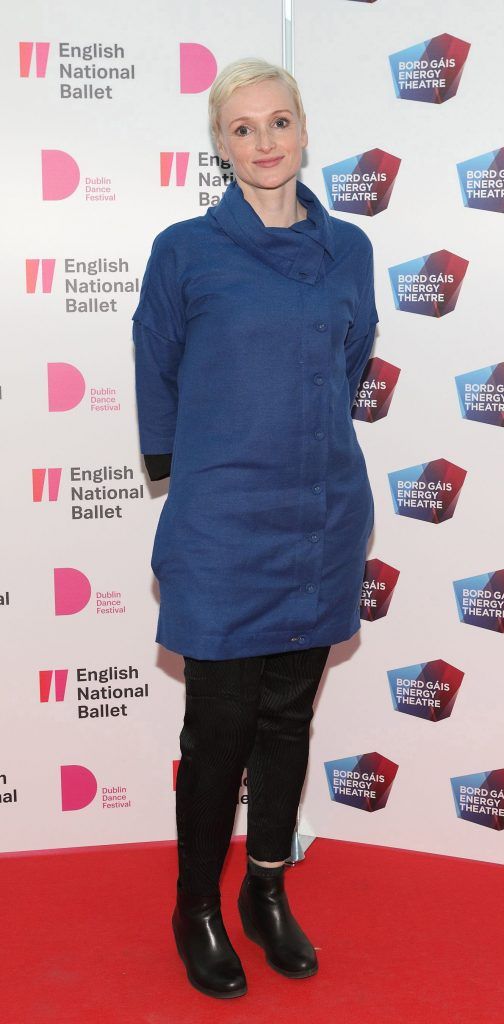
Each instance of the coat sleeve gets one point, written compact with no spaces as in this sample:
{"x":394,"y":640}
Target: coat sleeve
{"x":360,"y":335}
{"x":159,"y":338}
{"x":158,"y":466}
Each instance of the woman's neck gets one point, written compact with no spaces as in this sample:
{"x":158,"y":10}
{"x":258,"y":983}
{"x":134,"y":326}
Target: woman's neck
{"x":277,"y":208}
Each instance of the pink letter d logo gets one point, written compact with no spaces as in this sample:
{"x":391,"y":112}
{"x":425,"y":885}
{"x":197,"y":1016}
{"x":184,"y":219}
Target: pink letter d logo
{"x":72,"y":591}
{"x":60,"y":174}
{"x":78,"y":787}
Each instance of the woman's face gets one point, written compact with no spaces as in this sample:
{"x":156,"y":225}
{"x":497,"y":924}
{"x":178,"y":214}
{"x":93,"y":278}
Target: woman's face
{"x":261,"y":134}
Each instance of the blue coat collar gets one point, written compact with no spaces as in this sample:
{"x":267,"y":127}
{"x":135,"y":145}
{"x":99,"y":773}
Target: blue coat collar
{"x":297,"y":251}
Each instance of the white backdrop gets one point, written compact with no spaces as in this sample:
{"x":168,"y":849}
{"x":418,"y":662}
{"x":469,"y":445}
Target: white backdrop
{"x":60,"y":767}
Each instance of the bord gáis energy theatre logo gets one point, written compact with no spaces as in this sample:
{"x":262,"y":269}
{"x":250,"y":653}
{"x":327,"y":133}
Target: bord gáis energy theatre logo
{"x":427,"y":690}
{"x":363,"y":781}
{"x":430,"y":71}
{"x":429,"y":285}
{"x":481,"y":394}
{"x":429,"y":491}
{"x":480,"y":600}
{"x":361,"y":184}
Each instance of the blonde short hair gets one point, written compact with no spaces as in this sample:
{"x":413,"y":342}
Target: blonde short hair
{"x":246,"y":72}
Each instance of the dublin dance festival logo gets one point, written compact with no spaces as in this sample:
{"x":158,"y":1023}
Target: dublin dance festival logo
{"x":79,"y":787}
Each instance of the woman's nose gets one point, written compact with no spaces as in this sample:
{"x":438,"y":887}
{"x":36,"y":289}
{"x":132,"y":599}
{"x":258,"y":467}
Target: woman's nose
{"x":263,"y":139}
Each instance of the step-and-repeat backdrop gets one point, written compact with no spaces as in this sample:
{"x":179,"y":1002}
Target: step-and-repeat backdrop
{"x":108,"y":144}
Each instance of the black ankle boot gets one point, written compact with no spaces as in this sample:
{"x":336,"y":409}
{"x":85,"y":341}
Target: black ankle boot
{"x":267,"y":920}
{"x":212,"y":965}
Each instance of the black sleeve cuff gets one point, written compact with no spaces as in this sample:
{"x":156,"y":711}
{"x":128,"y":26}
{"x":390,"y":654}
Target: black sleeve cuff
{"x":158,"y":466}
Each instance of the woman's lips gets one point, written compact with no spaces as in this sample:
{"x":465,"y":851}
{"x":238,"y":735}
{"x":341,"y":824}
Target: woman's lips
{"x":268,"y":163}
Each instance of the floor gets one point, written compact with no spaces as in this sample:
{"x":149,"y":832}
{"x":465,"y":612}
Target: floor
{"x":401,"y":937}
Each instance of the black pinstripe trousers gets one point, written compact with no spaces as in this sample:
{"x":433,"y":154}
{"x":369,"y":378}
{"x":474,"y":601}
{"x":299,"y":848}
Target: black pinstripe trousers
{"x":251,"y":713}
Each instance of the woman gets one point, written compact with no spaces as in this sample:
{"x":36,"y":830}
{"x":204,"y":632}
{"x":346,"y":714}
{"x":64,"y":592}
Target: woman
{"x":254,"y":325}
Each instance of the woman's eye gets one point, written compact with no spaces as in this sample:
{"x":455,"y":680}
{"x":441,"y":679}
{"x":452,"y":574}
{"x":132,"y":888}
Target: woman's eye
{"x":242,"y":129}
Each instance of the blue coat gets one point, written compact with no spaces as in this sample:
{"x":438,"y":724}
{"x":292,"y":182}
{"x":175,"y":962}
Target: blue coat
{"x":250,"y":342}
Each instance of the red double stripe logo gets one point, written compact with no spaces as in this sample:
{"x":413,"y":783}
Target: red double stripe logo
{"x":32,"y":275}
{"x":25,"y":59}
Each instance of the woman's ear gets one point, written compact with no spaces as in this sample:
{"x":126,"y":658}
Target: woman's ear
{"x":220,"y":147}
{"x":304,"y":133}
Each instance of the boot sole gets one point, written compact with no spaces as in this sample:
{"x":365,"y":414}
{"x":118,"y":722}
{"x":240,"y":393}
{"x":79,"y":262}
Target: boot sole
{"x":254,"y":936}
{"x":201,"y":988}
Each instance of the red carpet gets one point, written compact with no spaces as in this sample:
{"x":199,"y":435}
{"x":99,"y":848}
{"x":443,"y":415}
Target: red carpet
{"x":401,"y":936}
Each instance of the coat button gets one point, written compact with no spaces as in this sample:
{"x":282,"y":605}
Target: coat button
{"x":310,"y":587}
{"x":318,"y":378}
{"x":316,"y":488}
{"x":321,"y":326}
{"x":301,"y":639}
{"x":314,"y":537}
{"x":319,"y":434}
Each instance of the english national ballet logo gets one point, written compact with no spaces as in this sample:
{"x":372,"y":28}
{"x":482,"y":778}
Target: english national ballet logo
{"x":429,"y":285}
{"x":85,"y":501}
{"x":79,"y":787}
{"x":61,"y":177}
{"x":479,"y":798}
{"x":429,"y":71}
{"x":427,"y":690}
{"x":214,"y":174}
{"x":363,"y":781}
{"x":482,"y":181}
{"x":481,"y":394}
{"x":98,"y":693}
{"x":91,"y":72}
{"x":86,"y":284}
{"x":72,"y":593}
{"x":480,"y":600}
{"x":429,"y":491}
{"x":66,"y":389}
{"x":377,"y":386}
{"x":361,"y":184}
{"x":378,"y":587}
